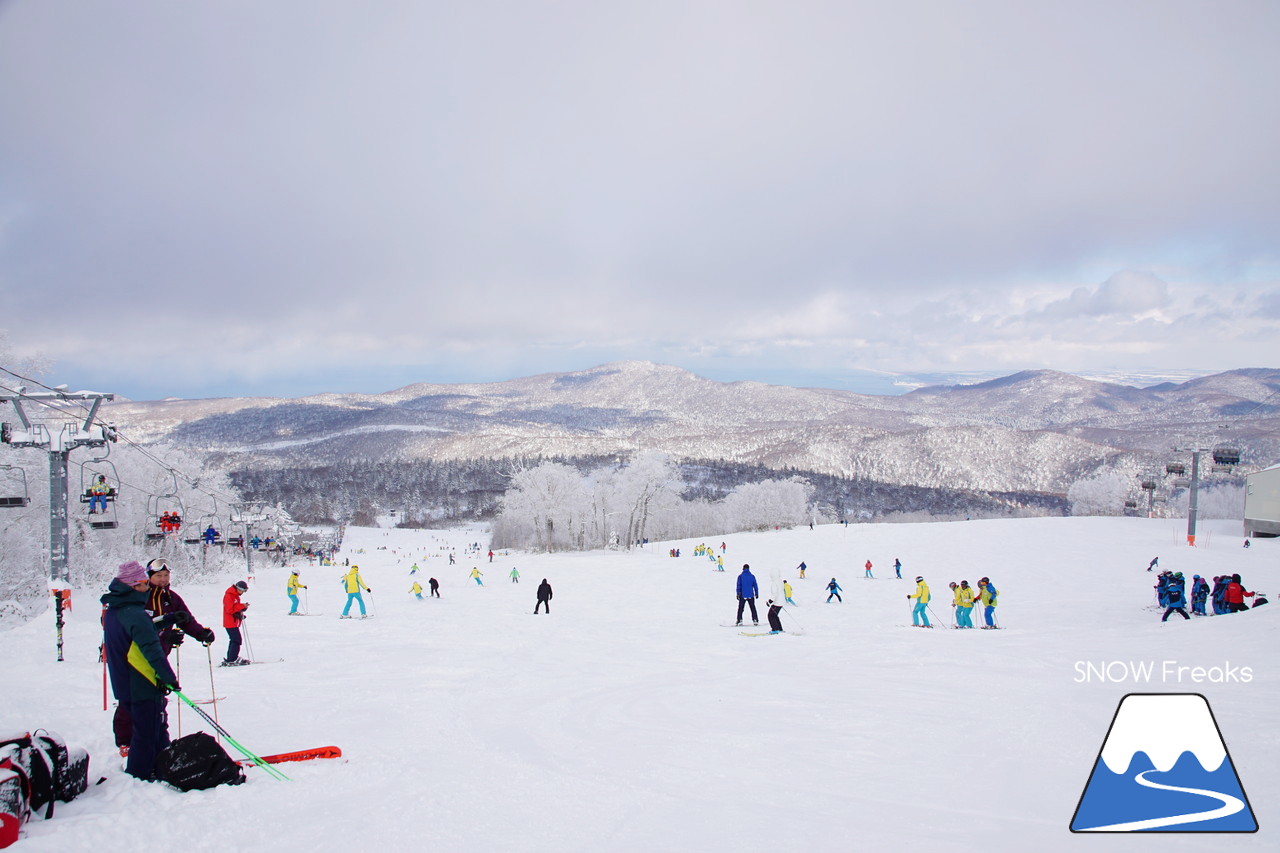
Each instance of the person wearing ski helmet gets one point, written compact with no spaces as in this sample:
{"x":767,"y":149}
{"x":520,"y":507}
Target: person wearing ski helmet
{"x":233,"y":615}
{"x":964,"y":605}
{"x":833,"y":588}
{"x":987,"y":597}
{"x":353,"y":583}
{"x":1235,"y":595}
{"x":920,"y":611}
{"x":1177,"y":600}
{"x":1199,"y":595}
{"x":291,"y":589}
{"x":748,"y":590}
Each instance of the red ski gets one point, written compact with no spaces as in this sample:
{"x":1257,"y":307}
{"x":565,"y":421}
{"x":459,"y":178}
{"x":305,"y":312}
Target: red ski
{"x":300,"y":755}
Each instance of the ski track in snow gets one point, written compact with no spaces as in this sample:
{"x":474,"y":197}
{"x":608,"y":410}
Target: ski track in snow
{"x":629,"y":720}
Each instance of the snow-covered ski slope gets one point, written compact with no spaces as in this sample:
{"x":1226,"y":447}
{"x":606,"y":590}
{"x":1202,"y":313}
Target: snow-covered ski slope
{"x":630,"y":720}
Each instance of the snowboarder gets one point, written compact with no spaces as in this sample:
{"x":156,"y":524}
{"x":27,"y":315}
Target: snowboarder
{"x":747,"y":590}
{"x":291,"y":589}
{"x":987,"y":596}
{"x":515,"y":575}
{"x":475,"y":575}
{"x":786,"y":591}
{"x":964,"y":605}
{"x":353,"y":583}
{"x":897,"y":567}
{"x":1155,"y":561}
{"x":775,"y":621}
{"x":140,"y":674}
{"x":435,"y":586}
{"x":868,"y":568}
{"x":544,"y":597}
{"x":416,"y":589}
{"x":233,"y":615}
{"x":920,"y":611}
{"x":833,"y":588}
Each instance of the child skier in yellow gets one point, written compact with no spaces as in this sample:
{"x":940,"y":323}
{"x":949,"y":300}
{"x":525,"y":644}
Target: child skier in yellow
{"x":476,"y":575}
{"x":291,"y":588}
{"x":921,"y":595}
{"x":416,"y":589}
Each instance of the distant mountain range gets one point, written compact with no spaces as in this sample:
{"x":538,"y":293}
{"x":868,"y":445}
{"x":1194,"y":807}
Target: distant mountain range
{"x":1035,"y":431}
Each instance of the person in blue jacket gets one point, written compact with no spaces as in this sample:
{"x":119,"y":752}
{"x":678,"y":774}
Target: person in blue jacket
{"x":748,"y":591}
{"x":140,"y":674}
{"x":834,"y":589}
{"x":1176,"y":600}
{"x":1199,"y":594}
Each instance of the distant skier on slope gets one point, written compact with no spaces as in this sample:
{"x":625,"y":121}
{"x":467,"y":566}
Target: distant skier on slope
{"x":833,"y":588}
{"x":416,"y":589}
{"x":435,"y":586}
{"x":868,"y":568}
{"x":987,"y":596}
{"x":801,"y":569}
{"x":544,"y":597}
{"x":920,"y":611}
{"x":353,"y":583}
{"x":897,"y":567}
{"x":786,"y":592}
{"x":964,"y":605}
{"x":515,"y":575}
{"x":475,"y":575}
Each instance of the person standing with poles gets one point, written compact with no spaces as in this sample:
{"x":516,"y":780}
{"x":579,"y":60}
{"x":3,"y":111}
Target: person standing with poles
{"x":140,"y":674}
{"x":920,"y":611}
{"x":291,"y":589}
{"x":868,"y":568}
{"x":897,"y":567}
{"x":987,"y":596}
{"x":748,"y":590}
{"x":353,"y":583}
{"x":233,"y":616}
{"x":964,"y":605}
{"x":544,"y":597}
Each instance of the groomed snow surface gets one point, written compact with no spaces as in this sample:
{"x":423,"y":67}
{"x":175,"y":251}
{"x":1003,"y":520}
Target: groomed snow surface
{"x":629,"y":719}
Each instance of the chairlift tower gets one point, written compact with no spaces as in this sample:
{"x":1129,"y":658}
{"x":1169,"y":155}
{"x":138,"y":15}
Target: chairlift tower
{"x":59,"y":446}
{"x":248,"y":514}
{"x":1224,"y":458}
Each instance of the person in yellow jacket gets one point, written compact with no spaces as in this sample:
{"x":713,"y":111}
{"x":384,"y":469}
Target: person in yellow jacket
{"x":475,"y":575}
{"x":964,"y":605}
{"x":987,"y":596}
{"x":786,"y":592}
{"x":353,"y":584}
{"x":921,"y":595}
{"x":416,"y":589}
{"x":291,"y":588}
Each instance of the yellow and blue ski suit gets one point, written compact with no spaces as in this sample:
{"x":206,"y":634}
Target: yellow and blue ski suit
{"x":921,"y":595}
{"x":354,"y":583}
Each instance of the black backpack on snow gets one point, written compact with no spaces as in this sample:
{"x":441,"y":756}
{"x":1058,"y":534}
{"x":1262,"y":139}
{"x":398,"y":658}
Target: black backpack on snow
{"x":196,"y":762}
{"x":52,"y":770}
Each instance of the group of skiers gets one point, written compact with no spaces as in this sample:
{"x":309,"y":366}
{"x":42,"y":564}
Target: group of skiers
{"x":1227,"y":594}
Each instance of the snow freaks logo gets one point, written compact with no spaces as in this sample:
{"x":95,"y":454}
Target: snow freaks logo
{"x":1163,"y":767}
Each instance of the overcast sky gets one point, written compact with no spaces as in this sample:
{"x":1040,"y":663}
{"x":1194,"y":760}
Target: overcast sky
{"x":244,"y":197}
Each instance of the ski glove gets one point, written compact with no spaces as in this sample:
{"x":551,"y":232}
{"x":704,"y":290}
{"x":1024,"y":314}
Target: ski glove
{"x":208,"y":637}
{"x":171,"y":688}
{"x":366,"y":589}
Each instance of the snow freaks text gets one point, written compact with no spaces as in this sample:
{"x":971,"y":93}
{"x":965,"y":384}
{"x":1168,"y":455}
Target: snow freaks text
{"x":1167,"y":672}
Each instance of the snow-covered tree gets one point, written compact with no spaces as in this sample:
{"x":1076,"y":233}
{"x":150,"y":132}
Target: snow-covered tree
{"x":1102,"y":494}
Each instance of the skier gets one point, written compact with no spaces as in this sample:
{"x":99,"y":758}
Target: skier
{"x":1154,"y":562}
{"x":921,"y":595}
{"x":747,"y":590}
{"x":416,"y":589}
{"x":291,"y":589}
{"x":775,"y":621}
{"x":169,"y":612}
{"x":964,"y":605}
{"x":515,"y":575}
{"x":544,"y":597}
{"x":802,"y":567}
{"x":413,"y":570}
{"x":435,"y":586}
{"x":353,"y":583}
{"x":786,"y":591}
{"x":140,"y":674}
{"x":833,"y":588}
{"x":987,"y":596}
{"x":1235,"y":594}
{"x":451,"y":558}
{"x":475,"y":575}
{"x":719,"y":564}
{"x":490,"y":555}
{"x":868,"y":568}
{"x":1199,"y":594}
{"x":897,"y":567}
{"x":233,"y":615}
{"x":1177,"y":601}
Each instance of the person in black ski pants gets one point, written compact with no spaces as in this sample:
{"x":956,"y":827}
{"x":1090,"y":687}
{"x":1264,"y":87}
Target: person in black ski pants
{"x":544,"y":597}
{"x":748,"y":591}
{"x":834,"y":589}
{"x":775,"y":621}
{"x":435,"y":587}
{"x":1175,"y":599}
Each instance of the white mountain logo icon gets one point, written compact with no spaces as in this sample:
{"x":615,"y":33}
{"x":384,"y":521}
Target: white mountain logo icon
{"x":1164,"y":767}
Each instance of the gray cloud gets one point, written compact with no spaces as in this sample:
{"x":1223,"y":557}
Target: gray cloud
{"x":284,"y":189}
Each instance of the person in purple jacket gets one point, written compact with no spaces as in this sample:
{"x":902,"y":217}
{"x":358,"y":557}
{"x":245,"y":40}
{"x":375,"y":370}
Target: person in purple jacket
{"x":748,"y":591}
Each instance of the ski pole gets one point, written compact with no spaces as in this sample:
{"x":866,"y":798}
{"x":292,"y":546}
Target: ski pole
{"x":306,"y":599}
{"x":373,"y":605}
{"x":246,"y":753}
{"x":178,"y":671}
{"x":248,"y":645}
{"x":213,"y":691}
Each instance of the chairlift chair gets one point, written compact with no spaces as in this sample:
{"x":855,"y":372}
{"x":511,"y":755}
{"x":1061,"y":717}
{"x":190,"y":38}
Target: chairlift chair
{"x":1177,"y":468}
{"x":94,"y":474}
{"x":1148,"y":485}
{"x":161,"y":508}
{"x":13,"y":487}
{"x":1181,"y":483}
{"x":1131,"y":504}
{"x":1226,"y":455}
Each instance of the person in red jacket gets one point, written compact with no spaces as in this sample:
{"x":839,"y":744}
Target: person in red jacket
{"x":1235,"y":595}
{"x":232,"y":615}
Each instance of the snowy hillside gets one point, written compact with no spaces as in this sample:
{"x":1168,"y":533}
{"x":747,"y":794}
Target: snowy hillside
{"x":1033,"y":431}
{"x":629,"y":719}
